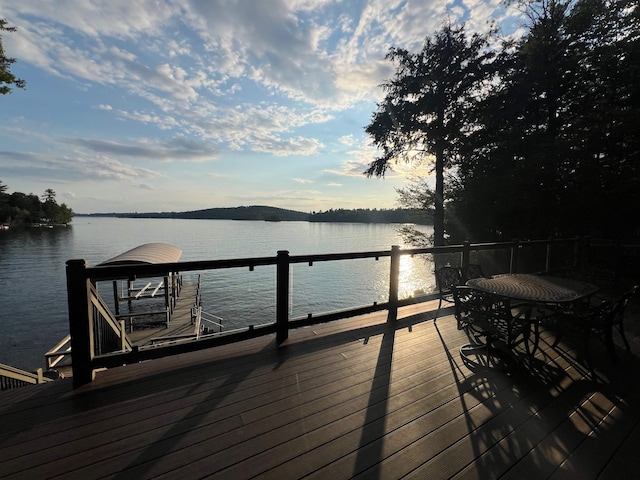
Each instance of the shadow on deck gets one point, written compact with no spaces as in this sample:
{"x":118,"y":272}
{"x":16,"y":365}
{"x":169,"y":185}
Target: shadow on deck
{"x":352,"y":398}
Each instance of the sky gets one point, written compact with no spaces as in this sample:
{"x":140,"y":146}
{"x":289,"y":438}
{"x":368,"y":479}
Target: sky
{"x":178,"y":105}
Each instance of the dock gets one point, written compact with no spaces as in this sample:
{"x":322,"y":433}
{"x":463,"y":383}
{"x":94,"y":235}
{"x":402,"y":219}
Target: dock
{"x":355,"y":398}
{"x":184,"y":323}
{"x":181,"y":325}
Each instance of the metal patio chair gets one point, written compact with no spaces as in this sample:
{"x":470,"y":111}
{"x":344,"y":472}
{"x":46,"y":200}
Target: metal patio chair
{"x":599,"y":322}
{"x":472,"y":270}
{"x":447,"y":277}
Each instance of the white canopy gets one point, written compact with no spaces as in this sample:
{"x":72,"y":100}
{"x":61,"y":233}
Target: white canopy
{"x":147,"y":253}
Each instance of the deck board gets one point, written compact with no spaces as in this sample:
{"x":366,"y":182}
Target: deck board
{"x":355,"y":398}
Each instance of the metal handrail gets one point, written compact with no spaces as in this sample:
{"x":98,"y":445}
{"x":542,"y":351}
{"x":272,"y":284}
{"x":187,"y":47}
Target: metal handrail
{"x":79,"y":275}
{"x":57,"y":353}
{"x":11,"y":377}
{"x":111,"y":329}
{"x":212,"y":319}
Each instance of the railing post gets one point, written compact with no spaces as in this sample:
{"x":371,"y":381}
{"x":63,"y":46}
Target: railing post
{"x":282,"y":296}
{"x":580,"y":253}
{"x":116,"y":301}
{"x":80,"y":328}
{"x":515,"y":251}
{"x":547,"y":265}
{"x":394,"y":275}
{"x":466,"y":254}
{"x":123,"y":336}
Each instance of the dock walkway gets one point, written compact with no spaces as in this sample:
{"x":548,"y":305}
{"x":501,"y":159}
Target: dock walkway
{"x":180,"y":324}
{"x":356,"y":398}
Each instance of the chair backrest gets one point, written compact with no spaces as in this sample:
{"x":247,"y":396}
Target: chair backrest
{"x":461,"y":298}
{"x":469,"y":306}
{"x":448,"y":277}
{"x":472,"y":270}
{"x":618,"y":309}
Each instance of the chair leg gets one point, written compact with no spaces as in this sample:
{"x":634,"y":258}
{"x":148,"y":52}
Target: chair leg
{"x":536,"y":338}
{"x":624,"y":337}
{"x":611,"y":348}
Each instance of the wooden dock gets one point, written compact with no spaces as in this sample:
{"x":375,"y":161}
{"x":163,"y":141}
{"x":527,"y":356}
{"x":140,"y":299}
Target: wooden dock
{"x":180,"y":324}
{"x":356,"y":398}
{"x":180,"y":327}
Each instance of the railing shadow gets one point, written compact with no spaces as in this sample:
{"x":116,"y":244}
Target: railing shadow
{"x":369,"y":452}
{"x":143,"y":463}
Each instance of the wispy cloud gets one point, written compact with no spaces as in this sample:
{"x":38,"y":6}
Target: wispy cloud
{"x":174,"y":149}
{"x":135,"y":88}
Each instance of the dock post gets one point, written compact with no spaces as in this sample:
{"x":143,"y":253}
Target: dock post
{"x":282,"y":296}
{"x":394,"y":277}
{"x":80,"y":328}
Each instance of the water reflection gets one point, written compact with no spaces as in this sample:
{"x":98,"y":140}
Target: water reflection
{"x":33,"y":296}
{"x":415,"y":276}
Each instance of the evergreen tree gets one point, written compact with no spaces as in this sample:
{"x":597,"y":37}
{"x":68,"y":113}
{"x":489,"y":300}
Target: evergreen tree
{"x":7,"y":79}
{"x":423,"y":114}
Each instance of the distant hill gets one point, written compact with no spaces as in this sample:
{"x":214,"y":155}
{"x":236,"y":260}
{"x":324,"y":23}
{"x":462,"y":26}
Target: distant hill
{"x":274,"y":214}
{"x":255,"y":212}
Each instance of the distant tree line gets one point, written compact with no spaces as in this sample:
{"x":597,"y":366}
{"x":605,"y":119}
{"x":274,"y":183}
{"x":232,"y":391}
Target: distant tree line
{"x":529,"y":138}
{"x":274,"y":214}
{"x":366,"y":215}
{"x":18,"y":209}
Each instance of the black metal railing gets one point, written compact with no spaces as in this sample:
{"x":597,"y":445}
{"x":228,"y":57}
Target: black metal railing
{"x":516,"y":256}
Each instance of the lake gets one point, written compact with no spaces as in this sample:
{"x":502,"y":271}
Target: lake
{"x":33,"y":303}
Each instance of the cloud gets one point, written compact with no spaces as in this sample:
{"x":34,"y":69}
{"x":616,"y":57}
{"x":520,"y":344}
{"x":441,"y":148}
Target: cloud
{"x":137,"y":83}
{"x":348,"y":140}
{"x":174,"y":149}
{"x":70,"y":168}
{"x":322,"y":55}
{"x":301,"y":180}
{"x":144,"y":186}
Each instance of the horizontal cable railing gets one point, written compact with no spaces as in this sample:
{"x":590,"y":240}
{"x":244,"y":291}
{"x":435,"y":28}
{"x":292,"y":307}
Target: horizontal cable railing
{"x":81,"y":294}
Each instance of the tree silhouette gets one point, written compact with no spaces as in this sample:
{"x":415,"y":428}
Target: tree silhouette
{"x":7,"y":79}
{"x":424,"y":114}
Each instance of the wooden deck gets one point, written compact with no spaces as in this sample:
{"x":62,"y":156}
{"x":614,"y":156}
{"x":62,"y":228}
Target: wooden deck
{"x":353,"y":398}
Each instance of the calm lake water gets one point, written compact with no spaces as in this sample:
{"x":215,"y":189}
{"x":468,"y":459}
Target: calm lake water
{"x":33,"y":308}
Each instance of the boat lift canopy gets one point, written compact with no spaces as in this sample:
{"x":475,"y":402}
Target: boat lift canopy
{"x":147,"y":253}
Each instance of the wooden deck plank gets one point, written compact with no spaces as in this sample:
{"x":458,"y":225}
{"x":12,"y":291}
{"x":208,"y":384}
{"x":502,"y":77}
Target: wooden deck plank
{"x":625,"y":462}
{"x":353,"y":398}
{"x":405,"y":433}
{"x":595,"y":414}
{"x":168,"y":408}
{"x":269,"y":408}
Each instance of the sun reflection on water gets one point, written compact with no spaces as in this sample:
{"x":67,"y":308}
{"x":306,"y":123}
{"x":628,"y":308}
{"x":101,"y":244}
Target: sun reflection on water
{"x":415,"y":277}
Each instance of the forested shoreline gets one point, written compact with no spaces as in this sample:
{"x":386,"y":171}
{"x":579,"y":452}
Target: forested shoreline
{"x":532,"y":136}
{"x":21,"y":209}
{"x":274,"y":214}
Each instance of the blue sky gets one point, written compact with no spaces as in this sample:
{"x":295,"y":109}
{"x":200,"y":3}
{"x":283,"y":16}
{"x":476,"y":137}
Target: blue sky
{"x":175,"y":105}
